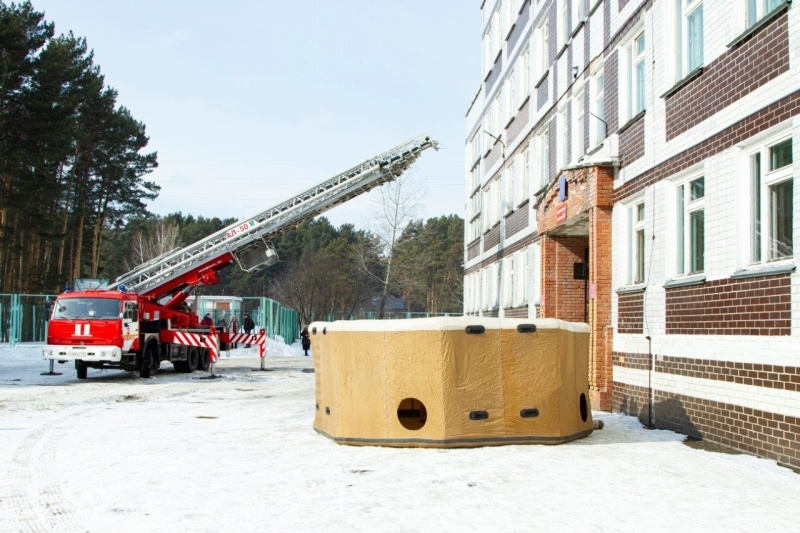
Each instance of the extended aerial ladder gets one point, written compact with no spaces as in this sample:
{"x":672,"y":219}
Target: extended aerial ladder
{"x":246,"y":242}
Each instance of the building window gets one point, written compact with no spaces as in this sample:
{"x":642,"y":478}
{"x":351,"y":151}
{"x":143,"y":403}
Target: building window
{"x":513,"y":172}
{"x":524,"y":273}
{"x":598,"y":120}
{"x":508,"y":190}
{"x":541,"y":49}
{"x":758,"y":9}
{"x":691,"y":226}
{"x":689,"y":35}
{"x":526,"y":175}
{"x":772,"y":207}
{"x":577,"y":13}
{"x":634,"y":73}
{"x":562,"y":145}
{"x":485,"y":292}
{"x":499,"y":113}
{"x":578,"y":146}
{"x":543,"y":143}
{"x":494,"y":290}
{"x":526,"y":72}
{"x":486,"y":213}
{"x":637,"y":243}
{"x":513,"y":104}
{"x":564,"y":26}
{"x":510,"y":278}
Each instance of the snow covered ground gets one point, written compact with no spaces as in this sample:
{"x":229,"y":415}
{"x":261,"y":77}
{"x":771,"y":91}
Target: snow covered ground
{"x":181,"y":453}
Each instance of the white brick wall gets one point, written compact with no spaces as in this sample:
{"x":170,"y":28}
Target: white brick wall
{"x":778,"y":401}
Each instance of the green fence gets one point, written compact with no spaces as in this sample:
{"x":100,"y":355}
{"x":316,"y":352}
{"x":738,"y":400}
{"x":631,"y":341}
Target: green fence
{"x":23,"y":318}
{"x":267,"y":315}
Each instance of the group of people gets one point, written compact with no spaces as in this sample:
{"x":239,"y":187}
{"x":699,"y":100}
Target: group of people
{"x":248,"y":326}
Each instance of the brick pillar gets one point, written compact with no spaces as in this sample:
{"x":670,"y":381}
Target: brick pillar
{"x":601,"y":337}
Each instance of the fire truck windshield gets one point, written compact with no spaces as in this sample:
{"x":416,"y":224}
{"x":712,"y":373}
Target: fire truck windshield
{"x":87,"y":308}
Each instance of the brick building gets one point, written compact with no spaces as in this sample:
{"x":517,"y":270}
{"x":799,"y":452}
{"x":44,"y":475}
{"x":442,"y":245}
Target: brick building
{"x":631,"y":164}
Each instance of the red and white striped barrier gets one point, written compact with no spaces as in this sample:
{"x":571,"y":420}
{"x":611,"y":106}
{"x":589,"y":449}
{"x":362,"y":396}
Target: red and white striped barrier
{"x":198,"y":340}
{"x":259,"y":339}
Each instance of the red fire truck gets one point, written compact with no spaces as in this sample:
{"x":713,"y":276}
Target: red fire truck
{"x":142,"y":319}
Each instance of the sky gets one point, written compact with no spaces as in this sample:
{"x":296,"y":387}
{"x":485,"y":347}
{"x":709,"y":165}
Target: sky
{"x":180,"y":453}
{"x":250,"y":102}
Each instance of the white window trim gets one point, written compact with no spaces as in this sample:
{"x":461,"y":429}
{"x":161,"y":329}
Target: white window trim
{"x":579,"y":123}
{"x":769,"y":179}
{"x":627,"y":82}
{"x":632,"y":227}
{"x":597,"y":125}
{"x":687,"y":9}
{"x":681,"y":252}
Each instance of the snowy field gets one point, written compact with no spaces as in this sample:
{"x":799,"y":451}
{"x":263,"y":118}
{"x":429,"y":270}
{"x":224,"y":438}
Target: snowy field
{"x":180,"y":453}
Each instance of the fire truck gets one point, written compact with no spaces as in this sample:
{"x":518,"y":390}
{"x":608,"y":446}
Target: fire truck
{"x":141,"y":319}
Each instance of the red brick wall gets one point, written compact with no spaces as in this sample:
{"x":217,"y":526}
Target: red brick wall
{"x":631,"y":142}
{"x":749,"y":306}
{"x":516,"y":312}
{"x":630,"y":312}
{"x":517,"y":221}
{"x":564,"y":297}
{"x":765,"y":118}
{"x":474,"y":249}
{"x":757,"y":375}
{"x":770,"y":435}
{"x":763,"y":433}
{"x":631,"y":400}
{"x":491,"y":238}
{"x":733,"y":75}
{"x":519,"y":123}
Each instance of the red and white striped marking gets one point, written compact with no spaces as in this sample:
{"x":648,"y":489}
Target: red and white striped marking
{"x":259,"y":339}
{"x":198,"y":340}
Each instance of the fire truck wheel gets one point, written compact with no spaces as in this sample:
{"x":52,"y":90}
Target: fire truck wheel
{"x":192,"y":360}
{"x":80,"y":366}
{"x":205,"y":360}
{"x":146,"y":362}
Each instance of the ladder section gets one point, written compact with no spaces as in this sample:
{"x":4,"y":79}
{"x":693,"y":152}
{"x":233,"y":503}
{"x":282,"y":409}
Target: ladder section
{"x":157,"y":274}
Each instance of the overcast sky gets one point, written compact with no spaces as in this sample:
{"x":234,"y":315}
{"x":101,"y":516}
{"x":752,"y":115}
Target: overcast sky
{"x":250,"y":102}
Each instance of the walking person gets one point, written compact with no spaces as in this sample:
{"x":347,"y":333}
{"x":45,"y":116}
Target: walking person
{"x":306,"y":340}
{"x":234,"y":329}
{"x":248,"y":325}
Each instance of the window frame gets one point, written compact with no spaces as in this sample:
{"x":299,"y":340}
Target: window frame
{"x":755,"y":10}
{"x":543,"y":156}
{"x":687,"y":207}
{"x":630,"y":104}
{"x":691,"y":54}
{"x":597,"y":117}
{"x":637,"y":235}
{"x":578,"y":132}
{"x":761,"y":183}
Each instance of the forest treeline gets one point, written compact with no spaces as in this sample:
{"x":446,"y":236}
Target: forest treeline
{"x":72,"y":160}
{"x":74,"y":194}
{"x":322,"y":270}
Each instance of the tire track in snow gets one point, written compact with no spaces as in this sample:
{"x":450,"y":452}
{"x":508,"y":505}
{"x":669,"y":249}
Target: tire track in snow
{"x":37,"y":502}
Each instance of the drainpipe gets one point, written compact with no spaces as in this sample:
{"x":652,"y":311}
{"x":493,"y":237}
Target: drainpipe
{"x":650,"y":394}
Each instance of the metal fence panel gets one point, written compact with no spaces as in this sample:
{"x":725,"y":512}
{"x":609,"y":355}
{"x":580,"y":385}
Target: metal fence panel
{"x":23,"y":317}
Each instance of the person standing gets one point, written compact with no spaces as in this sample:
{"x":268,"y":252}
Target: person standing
{"x":248,"y":325}
{"x":207,"y":322}
{"x":234,"y":329}
{"x":306,"y":340}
